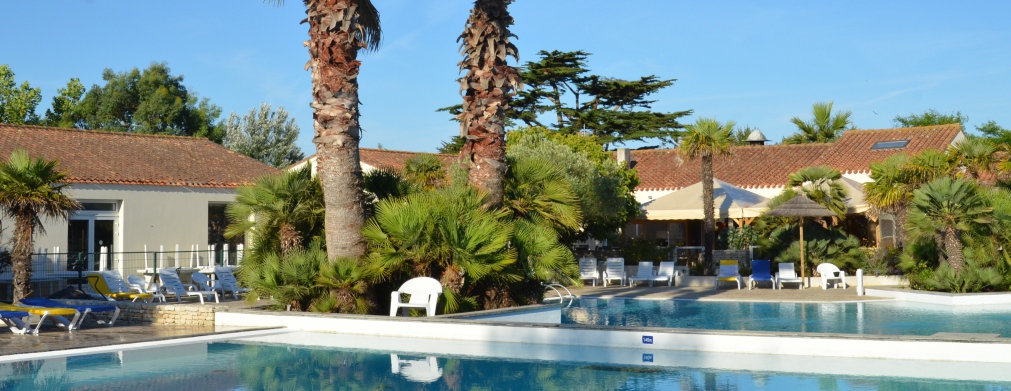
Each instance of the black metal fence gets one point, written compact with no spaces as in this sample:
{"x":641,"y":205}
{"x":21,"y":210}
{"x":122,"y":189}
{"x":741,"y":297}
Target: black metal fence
{"x":54,"y":271}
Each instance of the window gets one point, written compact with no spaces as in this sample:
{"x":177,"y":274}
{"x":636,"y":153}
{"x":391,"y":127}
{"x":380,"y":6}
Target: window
{"x":894,"y":144}
{"x":99,"y":206}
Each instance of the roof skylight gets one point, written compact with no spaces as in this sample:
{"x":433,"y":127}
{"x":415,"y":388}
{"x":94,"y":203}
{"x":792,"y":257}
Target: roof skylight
{"x":894,"y":144}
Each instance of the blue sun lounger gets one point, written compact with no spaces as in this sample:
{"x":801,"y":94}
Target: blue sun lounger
{"x":83,"y":309}
{"x":14,"y":319}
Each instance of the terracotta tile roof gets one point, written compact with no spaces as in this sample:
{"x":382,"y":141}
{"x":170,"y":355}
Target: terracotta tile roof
{"x":852,"y":153}
{"x":101,"y":157}
{"x":768,"y":166}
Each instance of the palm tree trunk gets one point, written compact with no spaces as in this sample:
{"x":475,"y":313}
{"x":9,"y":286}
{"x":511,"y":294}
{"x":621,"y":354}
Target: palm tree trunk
{"x":709,"y":225}
{"x":488,"y":84}
{"x":953,"y":247}
{"x":334,"y":61}
{"x":21,"y":256}
{"x":901,"y":216}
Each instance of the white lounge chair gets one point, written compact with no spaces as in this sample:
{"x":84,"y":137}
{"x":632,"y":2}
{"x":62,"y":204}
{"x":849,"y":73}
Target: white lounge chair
{"x":172,"y":285}
{"x":787,"y":274}
{"x":141,"y":285}
{"x":668,"y":272}
{"x":614,"y":269}
{"x":830,"y":272}
{"x":645,"y":273}
{"x":204,"y":283}
{"x":728,"y":273}
{"x":424,"y":293}
{"x":227,"y":281}
{"x":588,"y":270}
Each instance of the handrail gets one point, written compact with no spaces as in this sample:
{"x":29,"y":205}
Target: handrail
{"x":561,"y":298}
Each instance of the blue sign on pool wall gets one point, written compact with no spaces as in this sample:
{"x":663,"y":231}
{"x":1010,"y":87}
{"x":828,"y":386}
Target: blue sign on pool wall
{"x":647,"y":357}
{"x":647,"y":339}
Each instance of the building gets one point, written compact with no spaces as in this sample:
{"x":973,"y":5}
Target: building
{"x":139,"y":192}
{"x":763,"y":170}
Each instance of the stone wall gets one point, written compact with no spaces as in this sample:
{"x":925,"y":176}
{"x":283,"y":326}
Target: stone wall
{"x":157,"y":313}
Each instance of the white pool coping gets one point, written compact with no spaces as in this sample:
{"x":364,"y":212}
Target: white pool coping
{"x":224,"y":336}
{"x":950,"y":349}
{"x":952,"y":299}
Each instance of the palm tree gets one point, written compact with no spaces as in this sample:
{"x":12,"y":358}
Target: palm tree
{"x":821,"y":184}
{"x":890,"y":191}
{"x":288,"y":210}
{"x":973,"y":155}
{"x":707,"y":139}
{"x":945,"y":208}
{"x":425,"y":170}
{"x":338,"y":29}
{"x":823,"y":128}
{"x":31,"y":189}
{"x":488,"y":84}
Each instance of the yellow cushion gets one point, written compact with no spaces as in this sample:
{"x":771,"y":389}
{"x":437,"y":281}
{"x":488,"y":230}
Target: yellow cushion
{"x":129,"y":295}
{"x":728,"y":278}
{"x":39,"y":310}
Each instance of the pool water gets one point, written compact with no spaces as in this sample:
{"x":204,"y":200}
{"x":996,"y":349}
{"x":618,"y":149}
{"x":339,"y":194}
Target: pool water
{"x":868,"y":318}
{"x":266,"y":365}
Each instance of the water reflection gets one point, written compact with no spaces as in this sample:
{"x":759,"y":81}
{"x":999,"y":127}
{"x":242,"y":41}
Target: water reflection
{"x":421,"y":371}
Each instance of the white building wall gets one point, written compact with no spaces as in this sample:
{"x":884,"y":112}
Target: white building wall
{"x":151,"y":215}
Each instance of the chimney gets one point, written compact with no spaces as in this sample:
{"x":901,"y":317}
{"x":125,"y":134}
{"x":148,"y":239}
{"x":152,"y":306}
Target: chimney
{"x":757,"y":138}
{"x":623,"y":156}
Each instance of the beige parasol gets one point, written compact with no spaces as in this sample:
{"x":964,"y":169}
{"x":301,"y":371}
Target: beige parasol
{"x":800,"y":206}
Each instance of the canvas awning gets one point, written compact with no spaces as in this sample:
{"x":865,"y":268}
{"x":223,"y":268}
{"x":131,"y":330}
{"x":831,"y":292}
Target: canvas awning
{"x":686,"y":204}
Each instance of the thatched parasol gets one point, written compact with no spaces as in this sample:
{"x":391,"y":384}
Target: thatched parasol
{"x":800,"y":206}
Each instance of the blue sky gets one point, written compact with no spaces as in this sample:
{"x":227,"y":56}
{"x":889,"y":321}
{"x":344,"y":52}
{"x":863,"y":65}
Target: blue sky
{"x":756,"y":64}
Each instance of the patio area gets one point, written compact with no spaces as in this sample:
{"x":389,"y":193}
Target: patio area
{"x":53,"y":338}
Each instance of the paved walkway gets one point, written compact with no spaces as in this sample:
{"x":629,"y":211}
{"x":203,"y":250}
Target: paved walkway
{"x":728,"y":293}
{"x":53,"y":338}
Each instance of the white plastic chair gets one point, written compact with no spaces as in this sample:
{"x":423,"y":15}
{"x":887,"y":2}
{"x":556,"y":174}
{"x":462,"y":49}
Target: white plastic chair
{"x":728,"y":273}
{"x":588,"y":270}
{"x":645,"y":273}
{"x":420,"y":371}
{"x":204,"y":283}
{"x":830,"y":272}
{"x":667,"y":272}
{"x":227,"y":282}
{"x":142,"y":286}
{"x":787,"y":274}
{"x":172,"y":285}
{"x":424,"y":293}
{"x":614,"y":269}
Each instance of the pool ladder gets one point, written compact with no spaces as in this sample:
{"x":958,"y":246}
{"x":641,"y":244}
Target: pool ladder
{"x":561,"y":298}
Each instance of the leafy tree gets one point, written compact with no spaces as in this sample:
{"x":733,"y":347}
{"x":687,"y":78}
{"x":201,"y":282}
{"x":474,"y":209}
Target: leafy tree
{"x":942,"y":210}
{"x":66,"y":111}
{"x":928,"y":118}
{"x":603,"y":188}
{"x":453,"y":146}
{"x":17,"y":103}
{"x":151,"y":101}
{"x":338,"y":29}
{"x":821,"y":184}
{"x":31,"y":189}
{"x":823,"y":128}
{"x":707,"y":139}
{"x":995,"y":133}
{"x":265,"y":135}
{"x":487,"y":87}
{"x":616,"y":111}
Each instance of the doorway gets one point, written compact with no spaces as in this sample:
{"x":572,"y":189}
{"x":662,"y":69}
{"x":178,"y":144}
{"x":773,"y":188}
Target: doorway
{"x":89,"y":230}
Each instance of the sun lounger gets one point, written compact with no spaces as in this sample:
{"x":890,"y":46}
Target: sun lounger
{"x":614,"y":269}
{"x":645,"y":273}
{"x":761,"y":271}
{"x":141,"y":285}
{"x":668,"y":272}
{"x":787,"y":274}
{"x":228,"y":282}
{"x":83,"y":309}
{"x":111,"y":286}
{"x":728,"y":273}
{"x":14,"y":319}
{"x":829,"y":273}
{"x":588,"y":270}
{"x":172,"y":285}
{"x":25,"y":327}
{"x":204,"y":283}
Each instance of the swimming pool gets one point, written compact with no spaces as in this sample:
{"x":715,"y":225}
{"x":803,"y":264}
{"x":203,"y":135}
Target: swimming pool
{"x":866,"y":318}
{"x":331,"y":361}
